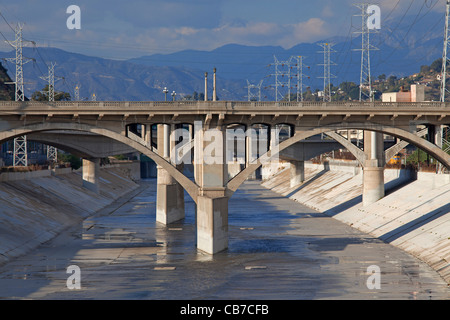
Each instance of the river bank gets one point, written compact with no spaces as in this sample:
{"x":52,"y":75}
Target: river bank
{"x":37,"y":206}
{"x":414,"y":215}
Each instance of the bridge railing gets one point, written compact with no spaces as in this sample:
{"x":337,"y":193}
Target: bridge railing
{"x":217,"y":104}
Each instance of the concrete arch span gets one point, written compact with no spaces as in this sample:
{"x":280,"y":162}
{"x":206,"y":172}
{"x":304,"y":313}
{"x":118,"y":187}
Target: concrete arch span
{"x":232,"y":185}
{"x":412,"y":138}
{"x":81,"y":144}
{"x":190,"y":187}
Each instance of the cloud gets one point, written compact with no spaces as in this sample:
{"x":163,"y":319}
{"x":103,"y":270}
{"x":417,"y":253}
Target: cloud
{"x":119,"y":30}
{"x":327,"y":12}
{"x":250,"y":33}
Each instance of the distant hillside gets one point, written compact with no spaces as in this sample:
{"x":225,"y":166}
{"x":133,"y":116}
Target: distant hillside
{"x":118,"y":80}
{"x":7,"y":91}
{"x":403,"y":48}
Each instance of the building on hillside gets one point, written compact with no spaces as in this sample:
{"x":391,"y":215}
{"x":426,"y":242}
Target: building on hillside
{"x":416,"y":94}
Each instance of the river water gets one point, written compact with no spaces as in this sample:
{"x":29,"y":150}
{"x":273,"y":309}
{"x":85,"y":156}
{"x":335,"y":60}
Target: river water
{"x":278,"y":250}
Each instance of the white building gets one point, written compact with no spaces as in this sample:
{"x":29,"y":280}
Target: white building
{"x":416,"y":94}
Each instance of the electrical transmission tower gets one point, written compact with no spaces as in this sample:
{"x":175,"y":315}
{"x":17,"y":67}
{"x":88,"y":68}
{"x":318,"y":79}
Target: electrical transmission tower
{"x":300,"y":76}
{"x":445,"y":58}
{"x":52,"y":152}
{"x":252,"y":95}
{"x":20,"y":157}
{"x":51,"y":81}
{"x":282,"y":79}
{"x":327,"y":75}
{"x":365,"y":82}
{"x":445,"y":131}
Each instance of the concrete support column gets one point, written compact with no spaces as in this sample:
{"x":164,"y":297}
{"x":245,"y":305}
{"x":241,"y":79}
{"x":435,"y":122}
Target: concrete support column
{"x":91,"y":169}
{"x":170,"y":206}
{"x":147,"y":134}
{"x":373,"y":184}
{"x":210,"y":163}
{"x":169,"y":199}
{"x":438,"y":135}
{"x":297,"y":173}
{"x":373,"y":174}
{"x":211,"y":175}
{"x":251,"y":151}
{"x":212,"y":224}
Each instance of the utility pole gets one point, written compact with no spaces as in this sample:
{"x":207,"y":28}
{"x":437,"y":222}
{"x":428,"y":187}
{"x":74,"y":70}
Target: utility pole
{"x":327,"y":63}
{"x":20,"y":157}
{"x":206,"y":86}
{"x":214,"y":85}
{"x":365,"y":76}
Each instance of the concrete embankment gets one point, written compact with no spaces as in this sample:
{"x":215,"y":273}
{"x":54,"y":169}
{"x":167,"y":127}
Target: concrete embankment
{"x":36,"y":206}
{"x":413,"y":216}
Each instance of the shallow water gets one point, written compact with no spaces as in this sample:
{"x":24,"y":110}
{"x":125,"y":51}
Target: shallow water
{"x":278,"y":250}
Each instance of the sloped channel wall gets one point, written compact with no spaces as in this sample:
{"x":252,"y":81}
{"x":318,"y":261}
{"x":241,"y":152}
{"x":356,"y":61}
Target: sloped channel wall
{"x":37,"y":206}
{"x":414,"y":216}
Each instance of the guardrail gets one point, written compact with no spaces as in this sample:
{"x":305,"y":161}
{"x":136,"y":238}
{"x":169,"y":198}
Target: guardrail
{"x":220,"y":104}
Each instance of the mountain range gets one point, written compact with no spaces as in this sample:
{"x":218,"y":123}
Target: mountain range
{"x":400,"y":48}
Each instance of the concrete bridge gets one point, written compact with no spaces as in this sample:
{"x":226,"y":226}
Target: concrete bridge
{"x":199,"y":132}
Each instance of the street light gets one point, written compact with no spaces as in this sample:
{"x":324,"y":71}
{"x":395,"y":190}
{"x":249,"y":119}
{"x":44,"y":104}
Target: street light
{"x":165,"y":93}
{"x":173,"y":95}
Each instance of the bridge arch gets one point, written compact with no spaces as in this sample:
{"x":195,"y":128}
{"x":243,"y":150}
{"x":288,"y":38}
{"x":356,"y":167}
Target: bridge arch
{"x":412,"y":138}
{"x":190,"y":186}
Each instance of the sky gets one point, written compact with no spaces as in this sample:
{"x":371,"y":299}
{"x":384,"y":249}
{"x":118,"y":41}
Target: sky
{"x":119,"y":29}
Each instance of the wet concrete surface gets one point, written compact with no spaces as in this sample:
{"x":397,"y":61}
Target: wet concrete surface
{"x":278,"y":250}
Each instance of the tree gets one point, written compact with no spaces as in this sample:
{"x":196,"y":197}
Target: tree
{"x":436,"y":65}
{"x":43,"y":95}
{"x":75,"y":162}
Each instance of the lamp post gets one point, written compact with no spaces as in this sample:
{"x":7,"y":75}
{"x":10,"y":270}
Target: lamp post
{"x":174,"y":94}
{"x":165,"y":91}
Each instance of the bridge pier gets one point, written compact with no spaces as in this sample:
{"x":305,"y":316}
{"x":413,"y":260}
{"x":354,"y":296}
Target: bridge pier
{"x":297,"y":173}
{"x":169,"y":193}
{"x":90,"y":170}
{"x":211,"y":174}
{"x":373,"y":172}
{"x":169,"y":199}
{"x":212,"y":223}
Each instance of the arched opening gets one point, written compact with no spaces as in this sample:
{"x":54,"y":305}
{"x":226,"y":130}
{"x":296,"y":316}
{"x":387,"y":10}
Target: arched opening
{"x":190,"y":187}
{"x":412,"y":138}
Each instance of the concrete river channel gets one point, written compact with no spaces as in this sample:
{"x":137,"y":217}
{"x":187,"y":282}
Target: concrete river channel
{"x":278,"y":250}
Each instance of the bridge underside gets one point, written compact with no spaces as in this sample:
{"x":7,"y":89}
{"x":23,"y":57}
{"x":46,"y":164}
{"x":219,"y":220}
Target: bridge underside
{"x":205,"y":143}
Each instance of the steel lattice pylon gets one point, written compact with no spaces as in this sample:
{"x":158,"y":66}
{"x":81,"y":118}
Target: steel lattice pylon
{"x":282,"y":79}
{"x":252,"y":96}
{"x":52,"y":152}
{"x":445,"y":59}
{"x":327,"y":75}
{"x":365,"y":82}
{"x":20,"y":157}
{"x":300,"y":76}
